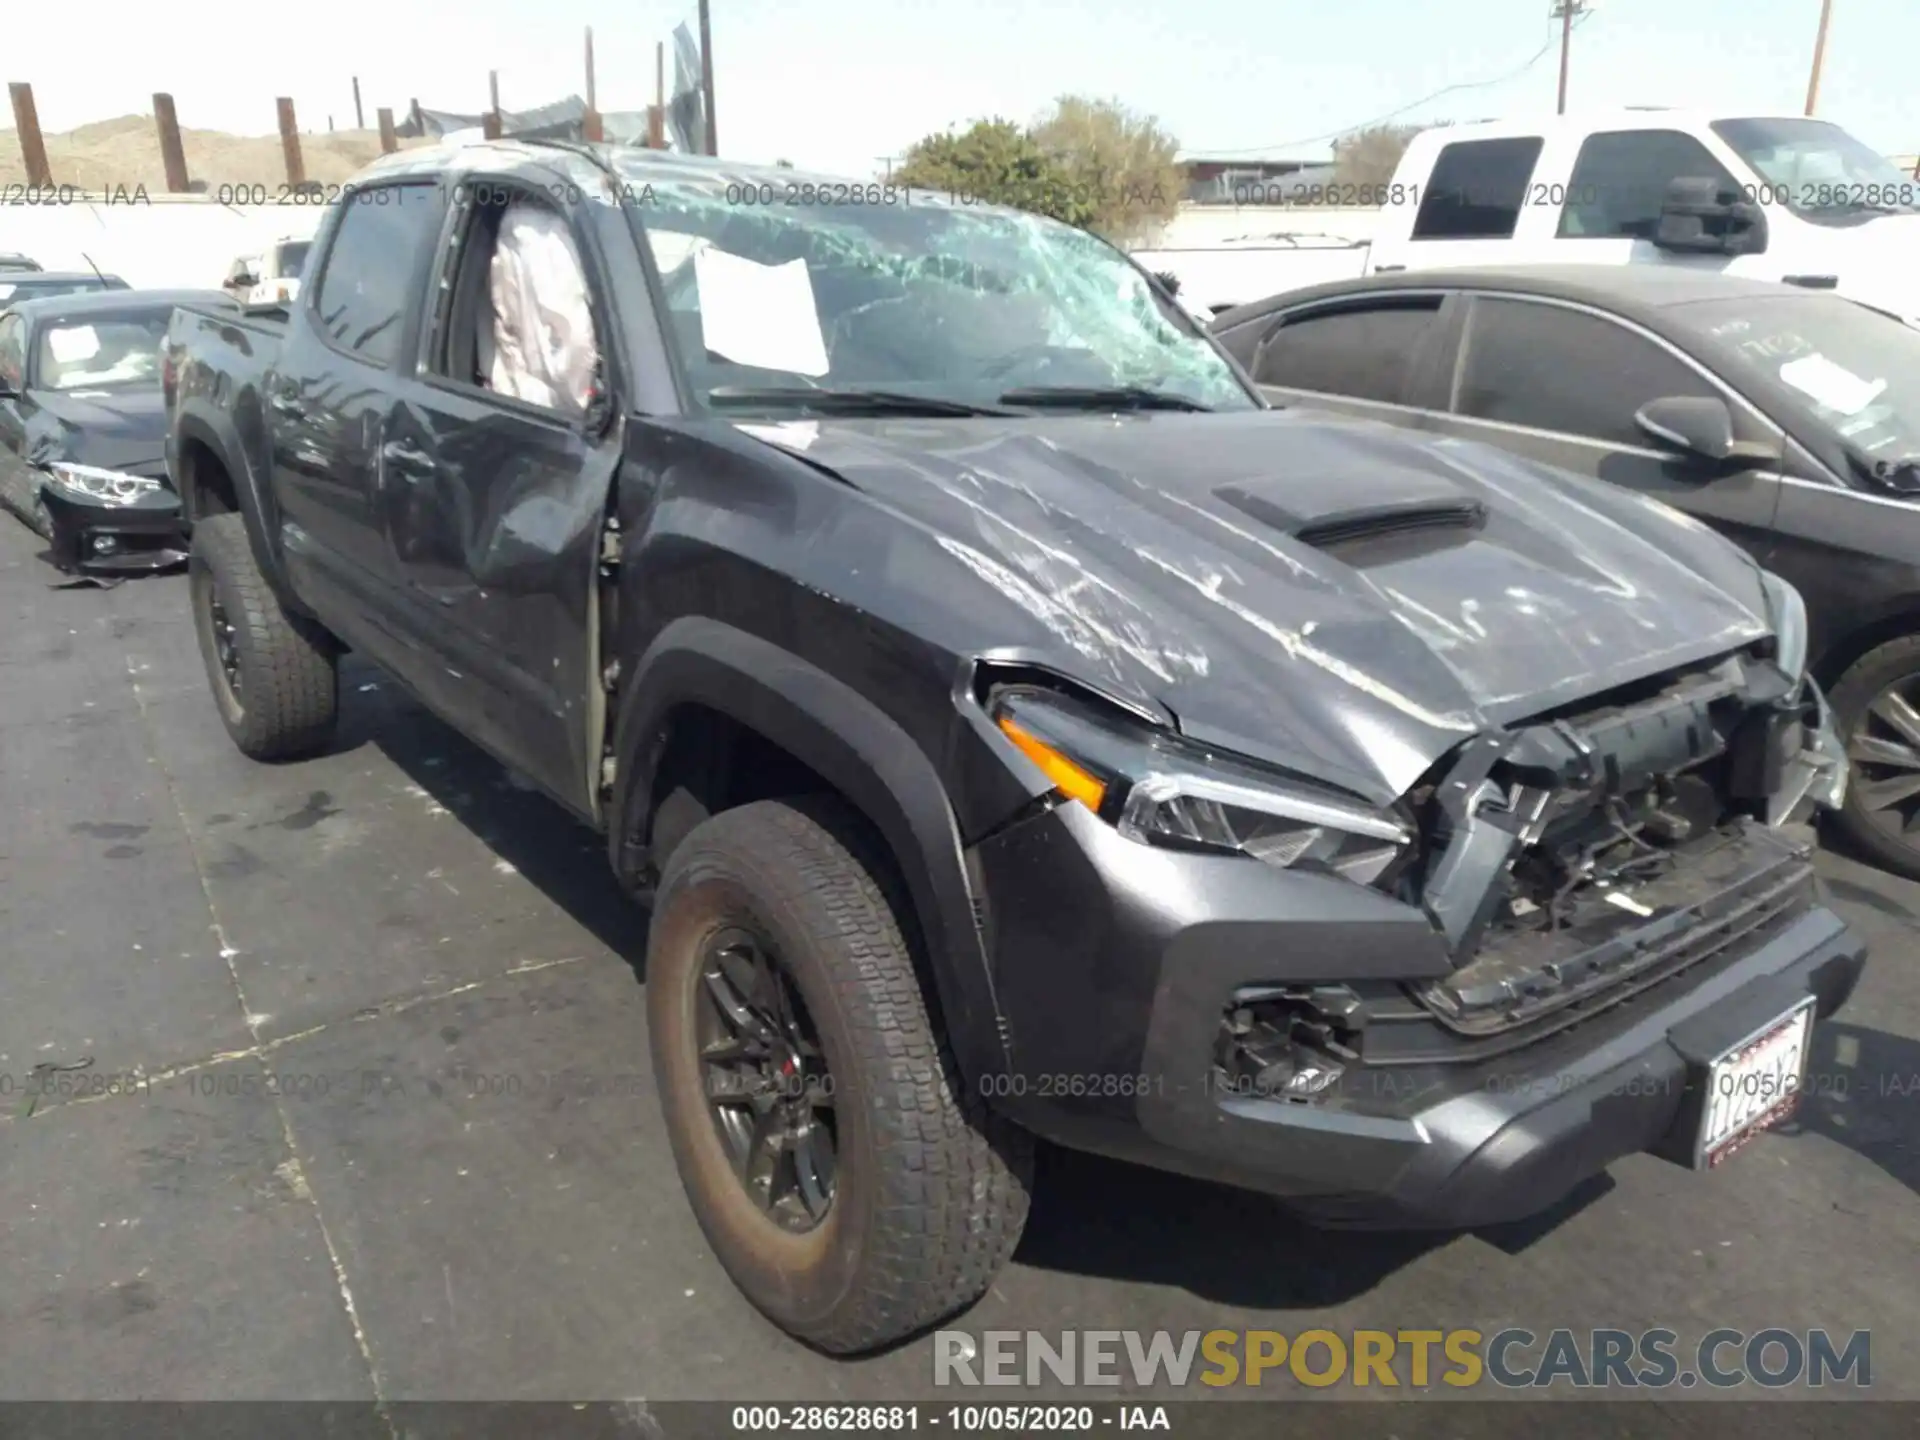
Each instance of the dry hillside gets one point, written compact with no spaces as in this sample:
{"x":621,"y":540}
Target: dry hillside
{"x":126,"y":153}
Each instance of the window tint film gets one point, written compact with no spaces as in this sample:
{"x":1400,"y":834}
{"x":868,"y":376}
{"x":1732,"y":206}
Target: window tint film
{"x":1363,"y":353}
{"x":1476,"y":189}
{"x":370,"y":265}
{"x":1620,"y":181}
{"x":1551,"y":368}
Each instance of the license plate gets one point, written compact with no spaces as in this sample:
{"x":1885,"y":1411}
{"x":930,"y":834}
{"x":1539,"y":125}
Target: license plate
{"x":1755,"y":1085}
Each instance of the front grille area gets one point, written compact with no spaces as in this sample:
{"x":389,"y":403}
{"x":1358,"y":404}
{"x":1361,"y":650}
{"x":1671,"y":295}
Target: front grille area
{"x":1721,"y":890}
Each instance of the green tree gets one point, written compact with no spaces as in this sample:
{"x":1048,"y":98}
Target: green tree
{"x":1122,"y":162}
{"x":998,"y":162}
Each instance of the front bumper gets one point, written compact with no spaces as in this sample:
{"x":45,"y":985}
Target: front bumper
{"x":97,"y":537}
{"x":1114,"y":964}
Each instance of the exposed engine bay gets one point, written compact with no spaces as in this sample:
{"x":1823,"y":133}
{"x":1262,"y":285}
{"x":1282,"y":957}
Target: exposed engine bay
{"x":1546,"y":838}
{"x":1575,"y":860}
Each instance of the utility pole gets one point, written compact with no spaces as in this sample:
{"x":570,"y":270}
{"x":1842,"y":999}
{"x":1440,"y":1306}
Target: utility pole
{"x":1819,"y":56}
{"x":1564,"y":11}
{"x":706,"y":79}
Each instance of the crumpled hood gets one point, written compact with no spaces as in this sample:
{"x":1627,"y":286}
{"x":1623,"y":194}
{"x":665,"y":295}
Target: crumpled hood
{"x":1158,"y":557}
{"x":120,"y":428}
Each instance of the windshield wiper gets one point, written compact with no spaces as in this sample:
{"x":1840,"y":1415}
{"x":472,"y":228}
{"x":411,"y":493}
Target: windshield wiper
{"x":1100,"y":397}
{"x":844,"y":400}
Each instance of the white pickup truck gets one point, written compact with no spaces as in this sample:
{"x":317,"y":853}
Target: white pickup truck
{"x":270,"y":278}
{"x":1787,"y":199}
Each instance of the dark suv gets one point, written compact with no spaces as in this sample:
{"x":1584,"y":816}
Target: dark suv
{"x":1017,"y":726}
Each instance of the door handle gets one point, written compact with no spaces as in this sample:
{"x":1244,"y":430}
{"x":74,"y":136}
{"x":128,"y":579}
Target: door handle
{"x":405,"y":458}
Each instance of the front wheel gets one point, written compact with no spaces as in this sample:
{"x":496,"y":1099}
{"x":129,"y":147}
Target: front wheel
{"x":848,"y":1183}
{"x":276,"y":684}
{"x":1876,"y":706}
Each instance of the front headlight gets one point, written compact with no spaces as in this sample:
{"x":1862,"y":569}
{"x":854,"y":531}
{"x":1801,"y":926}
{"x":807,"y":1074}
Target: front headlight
{"x":1157,"y":789}
{"x":1787,"y":613}
{"x":104,"y":487}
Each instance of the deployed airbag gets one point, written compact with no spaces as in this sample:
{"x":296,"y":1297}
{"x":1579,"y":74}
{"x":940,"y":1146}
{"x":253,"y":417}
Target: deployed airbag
{"x":543,"y":343}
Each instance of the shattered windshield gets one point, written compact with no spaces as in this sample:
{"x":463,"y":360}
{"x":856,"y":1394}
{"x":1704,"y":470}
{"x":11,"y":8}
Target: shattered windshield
{"x":1858,"y":370}
{"x":915,"y":295}
{"x":1819,"y":171}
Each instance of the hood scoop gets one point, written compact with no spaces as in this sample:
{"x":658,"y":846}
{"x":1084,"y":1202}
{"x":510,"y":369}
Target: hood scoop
{"x":1335,"y":527}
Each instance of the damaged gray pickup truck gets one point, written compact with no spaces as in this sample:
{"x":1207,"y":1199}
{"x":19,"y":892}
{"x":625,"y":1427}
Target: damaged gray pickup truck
{"x":1018,"y":728}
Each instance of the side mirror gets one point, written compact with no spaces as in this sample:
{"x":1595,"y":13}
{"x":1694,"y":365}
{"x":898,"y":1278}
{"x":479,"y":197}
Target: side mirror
{"x":1700,"y":217}
{"x":7,"y":392}
{"x":245,"y":280}
{"x":1701,"y":426}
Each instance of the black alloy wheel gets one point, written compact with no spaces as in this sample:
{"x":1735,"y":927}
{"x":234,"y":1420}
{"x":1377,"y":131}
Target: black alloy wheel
{"x":766,"y":1079}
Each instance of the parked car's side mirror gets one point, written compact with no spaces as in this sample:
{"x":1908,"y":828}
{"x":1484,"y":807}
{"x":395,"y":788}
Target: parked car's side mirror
{"x":245,"y":280}
{"x":1700,"y":216}
{"x":1701,"y":426}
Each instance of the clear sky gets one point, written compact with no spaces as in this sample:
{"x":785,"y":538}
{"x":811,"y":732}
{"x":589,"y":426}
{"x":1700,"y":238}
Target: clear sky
{"x":837,"y":84}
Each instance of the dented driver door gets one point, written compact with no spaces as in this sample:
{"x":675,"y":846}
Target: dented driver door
{"x":493,"y":507}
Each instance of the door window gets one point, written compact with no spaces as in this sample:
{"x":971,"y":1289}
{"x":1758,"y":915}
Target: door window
{"x":13,"y":351}
{"x":1620,"y":181}
{"x":1365,"y":352}
{"x":1551,"y":368}
{"x":521,"y":321}
{"x":368,"y":272}
{"x":1476,"y":189}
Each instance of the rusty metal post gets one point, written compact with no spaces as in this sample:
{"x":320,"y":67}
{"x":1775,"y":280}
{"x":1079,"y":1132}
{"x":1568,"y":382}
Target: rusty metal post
{"x":33,"y":146}
{"x":359,"y":115}
{"x":290,"y":142}
{"x":173,"y":155}
{"x":389,"y":141}
{"x":490,"y":122}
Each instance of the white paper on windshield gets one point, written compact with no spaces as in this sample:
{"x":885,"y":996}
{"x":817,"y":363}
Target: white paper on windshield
{"x":1833,"y":386}
{"x":760,"y":315}
{"x":788,"y":434}
{"x":73,"y":344}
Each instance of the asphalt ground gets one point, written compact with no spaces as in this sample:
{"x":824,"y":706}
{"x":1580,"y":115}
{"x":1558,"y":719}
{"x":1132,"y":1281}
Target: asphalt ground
{"x":364,"y":1110}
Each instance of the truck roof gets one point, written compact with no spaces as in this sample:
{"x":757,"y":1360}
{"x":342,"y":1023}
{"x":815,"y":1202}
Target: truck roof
{"x":580,"y":163}
{"x":1584,"y":122}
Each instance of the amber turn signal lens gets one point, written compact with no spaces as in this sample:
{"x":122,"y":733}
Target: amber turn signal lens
{"x":1068,"y":778}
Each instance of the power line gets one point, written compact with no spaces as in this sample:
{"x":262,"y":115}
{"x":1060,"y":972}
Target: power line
{"x":1514,"y":74}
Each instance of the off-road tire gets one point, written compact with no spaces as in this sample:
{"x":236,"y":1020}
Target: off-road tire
{"x":932,"y":1187}
{"x":1852,"y":694}
{"x":289,"y":693}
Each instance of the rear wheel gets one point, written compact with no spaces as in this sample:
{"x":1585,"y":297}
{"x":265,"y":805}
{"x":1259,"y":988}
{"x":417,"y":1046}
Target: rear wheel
{"x":846,"y":1180}
{"x":274,"y":681}
{"x":1876,"y":704}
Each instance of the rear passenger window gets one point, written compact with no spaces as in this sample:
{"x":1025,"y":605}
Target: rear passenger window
{"x":1363,"y":353}
{"x":1551,"y":368}
{"x":1620,"y":181}
{"x":1476,"y":189}
{"x":368,"y":271}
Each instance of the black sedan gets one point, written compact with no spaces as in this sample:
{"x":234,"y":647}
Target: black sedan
{"x":1787,"y":418}
{"x":83,"y":426}
{"x":19,"y":286}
